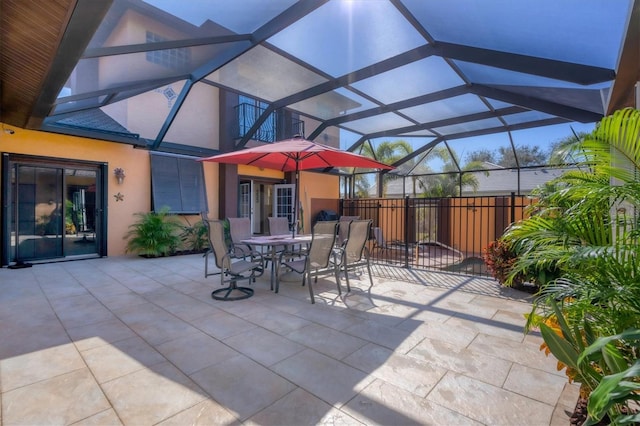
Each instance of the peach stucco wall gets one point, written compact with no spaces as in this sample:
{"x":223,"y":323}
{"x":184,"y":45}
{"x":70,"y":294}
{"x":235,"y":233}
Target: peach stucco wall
{"x":312,"y":186}
{"x":259,"y":172}
{"x":316,"y":186}
{"x":135,"y":188}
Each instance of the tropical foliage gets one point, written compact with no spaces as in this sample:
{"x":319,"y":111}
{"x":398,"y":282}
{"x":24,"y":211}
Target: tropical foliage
{"x":154,"y":234}
{"x":585,"y":228}
{"x":499,"y":258}
{"x":450,"y":181}
{"x":194,"y":238}
{"x":423,"y":182}
{"x":505,"y":156}
{"x":386,"y":152}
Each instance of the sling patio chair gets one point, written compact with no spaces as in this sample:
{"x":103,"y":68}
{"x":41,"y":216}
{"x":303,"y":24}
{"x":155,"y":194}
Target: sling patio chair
{"x":240,"y":229}
{"x":279,"y":226}
{"x":233,"y":266}
{"x":354,"y":253}
{"x":320,"y":259}
{"x":343,"y":227}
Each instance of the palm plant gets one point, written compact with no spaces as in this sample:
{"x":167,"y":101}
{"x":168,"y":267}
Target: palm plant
{"x":585,"y":227}
{"x":451,"y":181}
{"x":154,"y":234}
{"x":386,"y":152}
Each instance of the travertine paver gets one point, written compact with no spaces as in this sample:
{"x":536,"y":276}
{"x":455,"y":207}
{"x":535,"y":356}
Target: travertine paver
{"x":488,"y":404}
{"x":152,"y":394}
{"x":383,"y":403}
{"x":263,"y":346}
{"x":242,"y":385}
{"x":62,"y":399}
{"x":134,"y":341}
{"x":287,"y":411}
{"x":474,"y":364}
{"x":403,"y":371}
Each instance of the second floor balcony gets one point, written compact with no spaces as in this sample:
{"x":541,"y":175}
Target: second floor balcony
{"x":278,"y":125}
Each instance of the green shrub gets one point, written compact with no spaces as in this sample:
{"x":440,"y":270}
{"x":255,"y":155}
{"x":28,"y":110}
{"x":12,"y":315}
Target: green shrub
{"x":194,"y":237}
{"x":154,"y":234}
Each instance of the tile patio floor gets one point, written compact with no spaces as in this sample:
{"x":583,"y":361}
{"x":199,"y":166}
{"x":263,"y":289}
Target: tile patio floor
{"x":135,"y":341}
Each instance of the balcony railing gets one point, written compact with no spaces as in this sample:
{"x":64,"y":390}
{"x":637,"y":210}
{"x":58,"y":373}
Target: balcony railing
{"x":278,"y":125}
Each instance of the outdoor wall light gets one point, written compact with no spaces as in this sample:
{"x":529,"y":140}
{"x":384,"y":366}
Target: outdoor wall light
{"x":119,"y":174}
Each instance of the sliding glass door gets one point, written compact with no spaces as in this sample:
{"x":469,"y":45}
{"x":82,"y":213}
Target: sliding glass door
{"x":54,"y":211}
{"x":38,"y":223}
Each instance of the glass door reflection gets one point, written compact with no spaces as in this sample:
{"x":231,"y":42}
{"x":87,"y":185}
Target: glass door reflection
{"x":80,"y":212}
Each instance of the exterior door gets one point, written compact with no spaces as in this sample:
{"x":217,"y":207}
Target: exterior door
{"x":53,"y":211}
{"x":283,"y":201}
{"x":244,"y":199}
{"x":256,"y":202}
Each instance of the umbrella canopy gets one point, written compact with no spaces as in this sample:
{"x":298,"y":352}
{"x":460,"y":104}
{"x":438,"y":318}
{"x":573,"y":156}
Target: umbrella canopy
{"x":293,"y":155}
{"x":296,"y":154}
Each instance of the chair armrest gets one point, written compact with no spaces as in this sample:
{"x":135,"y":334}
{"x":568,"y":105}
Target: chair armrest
{"x":245,"y":252}
{"x":240,"y":250}
{"x":338,"y":254}
{"x":290,"y":254}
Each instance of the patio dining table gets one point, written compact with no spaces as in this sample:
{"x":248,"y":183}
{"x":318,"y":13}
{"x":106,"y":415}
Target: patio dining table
{"x":272,"y":242}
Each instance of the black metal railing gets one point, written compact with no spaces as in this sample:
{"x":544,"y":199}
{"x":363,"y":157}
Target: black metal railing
{"x":448,"y":234}
{"x":278,"y":125}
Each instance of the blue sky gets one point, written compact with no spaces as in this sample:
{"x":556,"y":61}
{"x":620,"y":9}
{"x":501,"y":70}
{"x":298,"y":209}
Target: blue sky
{"x":543,"y":137}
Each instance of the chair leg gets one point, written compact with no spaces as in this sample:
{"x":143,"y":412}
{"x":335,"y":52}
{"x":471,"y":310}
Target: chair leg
{"x":346,"y":277}
{"x":369,"y":267}
{"x":310,"y":290}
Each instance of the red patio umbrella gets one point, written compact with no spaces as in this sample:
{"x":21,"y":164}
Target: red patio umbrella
{"x":293,"y":155}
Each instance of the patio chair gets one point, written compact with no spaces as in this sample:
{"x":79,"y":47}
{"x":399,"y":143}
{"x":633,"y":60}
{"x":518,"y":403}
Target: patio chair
{"x":320,"y":259}
{"x":278,"y":226}
{"x":240,"y":229}
{"x":233,"y":268}
{"x":355,"y":253}
{"x":379,"y":241}
{"x":343,"y":227}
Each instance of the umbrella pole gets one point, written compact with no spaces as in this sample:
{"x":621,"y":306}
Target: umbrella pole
{"x":295,"y":203}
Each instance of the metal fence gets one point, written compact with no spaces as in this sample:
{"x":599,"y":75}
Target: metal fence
{"x":448,"y":234}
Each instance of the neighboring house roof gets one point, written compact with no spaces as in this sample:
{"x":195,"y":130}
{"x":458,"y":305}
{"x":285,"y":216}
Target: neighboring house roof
{"x":96,"y":119}
{"x":496,"y":182}
{"x":499,"y":182}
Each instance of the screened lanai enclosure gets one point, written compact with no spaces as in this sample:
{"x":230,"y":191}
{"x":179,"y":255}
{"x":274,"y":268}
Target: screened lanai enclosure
{"x":468,"y":100}
{"x":469,"y":78}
